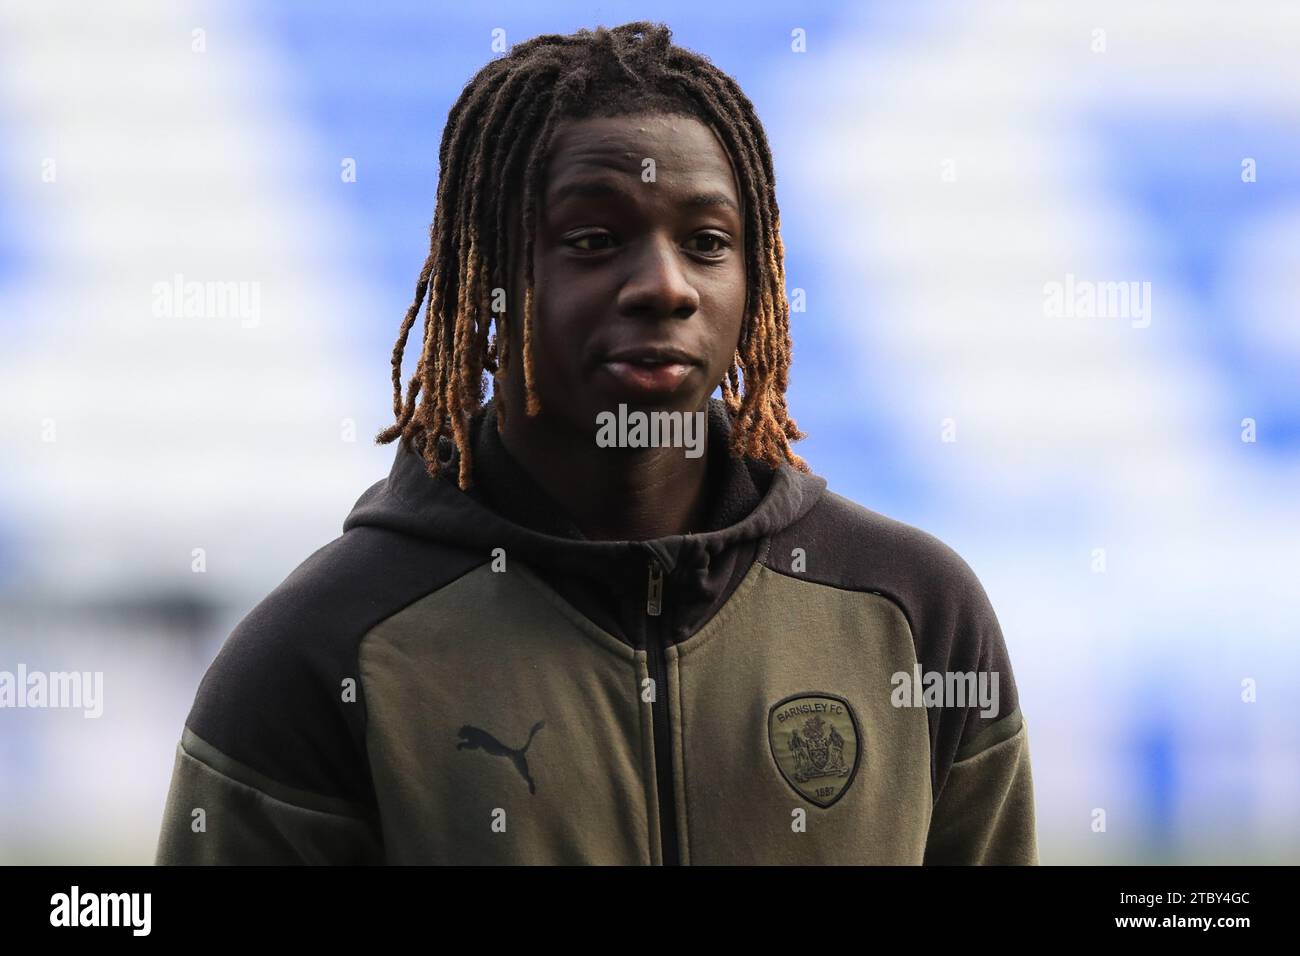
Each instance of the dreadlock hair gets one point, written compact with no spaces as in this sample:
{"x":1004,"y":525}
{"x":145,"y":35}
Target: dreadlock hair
{"x":499,"y":131}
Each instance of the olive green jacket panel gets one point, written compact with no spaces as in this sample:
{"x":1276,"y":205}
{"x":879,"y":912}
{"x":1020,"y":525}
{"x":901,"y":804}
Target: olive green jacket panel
{"x":228,"y":817}
{"x":455,"y":684}
{"x":780,"y":638}
{"x":986,"y":813}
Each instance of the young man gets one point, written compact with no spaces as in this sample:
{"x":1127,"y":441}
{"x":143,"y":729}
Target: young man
{"x":604,"y":617}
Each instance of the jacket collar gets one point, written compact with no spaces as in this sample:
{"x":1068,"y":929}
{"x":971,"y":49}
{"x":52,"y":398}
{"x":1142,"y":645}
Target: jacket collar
{"x":505,"y":508}
{"x":734,"y":487}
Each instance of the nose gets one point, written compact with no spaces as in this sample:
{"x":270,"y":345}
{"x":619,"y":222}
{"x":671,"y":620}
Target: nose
{"x":657,"y":286}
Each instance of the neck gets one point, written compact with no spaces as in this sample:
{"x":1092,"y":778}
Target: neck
{"x":611,"y":494}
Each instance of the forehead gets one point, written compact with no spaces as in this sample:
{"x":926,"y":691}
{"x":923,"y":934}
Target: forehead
{"x":685,"y":151}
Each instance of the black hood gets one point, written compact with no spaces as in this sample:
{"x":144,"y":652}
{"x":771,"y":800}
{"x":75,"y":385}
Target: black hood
{"x":748,"y":502}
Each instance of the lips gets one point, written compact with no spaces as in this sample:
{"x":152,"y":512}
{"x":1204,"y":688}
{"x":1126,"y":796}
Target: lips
{"x":648,"y":371}
{"x":653,"y":355}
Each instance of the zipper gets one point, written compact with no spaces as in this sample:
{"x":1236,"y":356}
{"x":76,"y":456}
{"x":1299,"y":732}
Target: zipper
{"x":658,"y":667}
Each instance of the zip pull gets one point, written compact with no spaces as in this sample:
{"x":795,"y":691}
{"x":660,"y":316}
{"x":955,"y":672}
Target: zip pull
{"x":654,"y":603}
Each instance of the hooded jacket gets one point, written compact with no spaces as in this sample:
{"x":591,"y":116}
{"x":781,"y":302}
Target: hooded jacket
{"x":462,"y":677}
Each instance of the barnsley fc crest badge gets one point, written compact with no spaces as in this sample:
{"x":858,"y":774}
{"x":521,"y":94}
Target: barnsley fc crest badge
{"x":816,"y":744}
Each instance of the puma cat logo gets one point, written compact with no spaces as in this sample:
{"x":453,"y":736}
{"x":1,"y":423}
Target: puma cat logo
{"x":476,"y":739}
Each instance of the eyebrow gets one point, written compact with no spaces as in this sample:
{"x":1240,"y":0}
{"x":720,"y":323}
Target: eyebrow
{"x":600,"y":189}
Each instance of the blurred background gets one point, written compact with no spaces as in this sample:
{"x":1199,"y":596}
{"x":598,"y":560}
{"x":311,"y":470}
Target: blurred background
{"x":1124,"y":485}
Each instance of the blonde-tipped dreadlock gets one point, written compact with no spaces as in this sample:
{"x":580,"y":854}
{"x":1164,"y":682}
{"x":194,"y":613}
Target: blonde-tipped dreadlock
{"x":504,"y":120}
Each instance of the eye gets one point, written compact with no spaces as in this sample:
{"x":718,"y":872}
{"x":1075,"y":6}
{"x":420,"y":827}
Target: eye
{"x":595,"y":241}
{"x":715,"y":244}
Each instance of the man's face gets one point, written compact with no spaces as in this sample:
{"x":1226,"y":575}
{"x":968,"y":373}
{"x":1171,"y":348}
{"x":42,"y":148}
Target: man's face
{"x":639,"y":271}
